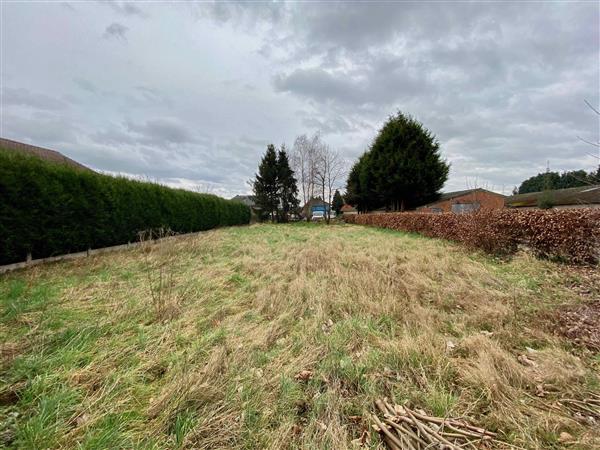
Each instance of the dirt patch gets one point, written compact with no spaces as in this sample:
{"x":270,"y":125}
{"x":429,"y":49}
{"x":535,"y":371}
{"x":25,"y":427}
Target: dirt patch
{"x":581,"y":324}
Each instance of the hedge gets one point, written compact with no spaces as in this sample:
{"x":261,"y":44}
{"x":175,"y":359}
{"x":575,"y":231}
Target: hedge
{"x":571,"y":235}
{"x":49,"y":209}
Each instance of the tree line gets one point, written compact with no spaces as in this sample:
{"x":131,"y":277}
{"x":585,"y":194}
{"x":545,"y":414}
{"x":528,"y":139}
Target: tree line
{"x":555,"y":180}
{"x":402,"y":169}
{"x":312,"y":173}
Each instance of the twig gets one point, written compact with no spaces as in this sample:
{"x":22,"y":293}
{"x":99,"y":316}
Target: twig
{"x":384,"y":429}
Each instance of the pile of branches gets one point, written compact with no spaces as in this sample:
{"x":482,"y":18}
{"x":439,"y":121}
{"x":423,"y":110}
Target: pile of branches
{"x":586,"y":410}
{"x":403,"y":428}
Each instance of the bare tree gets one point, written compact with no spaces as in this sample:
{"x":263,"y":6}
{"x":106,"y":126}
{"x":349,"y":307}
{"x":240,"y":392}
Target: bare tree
{"x":330,"y":170}
{"x":305,"y":158}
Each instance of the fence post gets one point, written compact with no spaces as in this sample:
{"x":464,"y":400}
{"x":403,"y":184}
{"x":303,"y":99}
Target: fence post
{"x":29,"y":258}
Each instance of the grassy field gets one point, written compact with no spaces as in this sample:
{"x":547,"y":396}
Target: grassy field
{"x":201,"y":342}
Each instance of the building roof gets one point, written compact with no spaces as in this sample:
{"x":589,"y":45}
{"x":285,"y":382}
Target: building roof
{"x":348,"y":208}
{"x":40,"y":152}
{"x":455,"y":194}
{"x":315,"y":202}
{"x":584,"y":195}
{"x":248,"y":200}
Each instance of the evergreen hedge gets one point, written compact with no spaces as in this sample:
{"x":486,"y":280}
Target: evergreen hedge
{"x":49,"y":209}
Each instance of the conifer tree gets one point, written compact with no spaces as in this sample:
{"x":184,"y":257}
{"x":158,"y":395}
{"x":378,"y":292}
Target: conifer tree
{"x":402,"y":169}
{"x":337,"y":202}
{"x":288,"y":190}
{"x":266,"y":186}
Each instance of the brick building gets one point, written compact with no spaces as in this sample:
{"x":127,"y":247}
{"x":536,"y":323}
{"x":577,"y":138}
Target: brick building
{"x":465,"y":201}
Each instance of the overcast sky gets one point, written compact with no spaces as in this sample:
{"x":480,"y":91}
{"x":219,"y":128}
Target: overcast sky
{"x":190,"y":95}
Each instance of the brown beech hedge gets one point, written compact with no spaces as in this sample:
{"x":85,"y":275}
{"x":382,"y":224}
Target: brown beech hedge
{"x":571,"y":235}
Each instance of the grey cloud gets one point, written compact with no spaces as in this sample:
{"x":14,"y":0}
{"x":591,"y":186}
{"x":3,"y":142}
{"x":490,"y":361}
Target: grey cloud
{"x":117,"y":31}
{"x":161,"y":131}
{"x":40,"y":129}
{"x":68,"y":6}
{"x":127,"y":9}
{"x":334,"y":125}
{"x":24,"y":97}
{"x":384,"y":82}
{"x":500,"y":85}
{"x":86,"y":85}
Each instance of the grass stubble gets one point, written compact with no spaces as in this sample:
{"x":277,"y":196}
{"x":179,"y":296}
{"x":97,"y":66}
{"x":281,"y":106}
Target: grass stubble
{"x":283,"y":336}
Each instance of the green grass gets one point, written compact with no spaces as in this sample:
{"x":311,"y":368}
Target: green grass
{"x":89,"y":360}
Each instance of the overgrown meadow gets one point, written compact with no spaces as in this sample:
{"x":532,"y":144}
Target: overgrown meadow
{"x":283,"y":336}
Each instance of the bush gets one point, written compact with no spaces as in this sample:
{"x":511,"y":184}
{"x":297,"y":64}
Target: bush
{"x":572,"y":235}
{"x":49,"y":209}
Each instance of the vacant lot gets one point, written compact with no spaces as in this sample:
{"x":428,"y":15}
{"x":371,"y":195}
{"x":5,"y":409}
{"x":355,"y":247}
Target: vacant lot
{"x":283,"y":336}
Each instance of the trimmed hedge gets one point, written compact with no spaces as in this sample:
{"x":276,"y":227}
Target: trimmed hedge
{"x":50,"y":209}
{"x":572,"y":235}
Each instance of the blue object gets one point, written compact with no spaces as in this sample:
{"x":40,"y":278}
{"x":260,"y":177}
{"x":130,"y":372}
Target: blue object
{"x":323,"y":208}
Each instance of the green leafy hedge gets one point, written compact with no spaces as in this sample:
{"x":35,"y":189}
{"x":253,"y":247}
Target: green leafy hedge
{"x":50,"y":209}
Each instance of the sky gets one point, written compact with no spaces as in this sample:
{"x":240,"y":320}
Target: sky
{"x":190,"y":94}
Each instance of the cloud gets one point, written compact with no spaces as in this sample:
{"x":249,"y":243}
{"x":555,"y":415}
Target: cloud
{"x":383,"y":82}
{"x":195,"y":98}
{"x":86,"y":85}
{"x":117,"y":31}
{"x":24,"y":97}
{"x":163,"y":131}
{"x":40,"y":128}
{"x":127,"y":9}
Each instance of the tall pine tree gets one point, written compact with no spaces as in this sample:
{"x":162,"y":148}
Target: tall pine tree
{"x":402,"y":169}
{"x":406,"y":164}
{"x":288,"y":190}
{"x":266,"y":186}
{"x":337,"y":202}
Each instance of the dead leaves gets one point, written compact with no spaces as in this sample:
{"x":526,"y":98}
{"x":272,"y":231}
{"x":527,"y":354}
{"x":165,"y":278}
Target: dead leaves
{"x":580,"y":324}
{"x":304,"y":375}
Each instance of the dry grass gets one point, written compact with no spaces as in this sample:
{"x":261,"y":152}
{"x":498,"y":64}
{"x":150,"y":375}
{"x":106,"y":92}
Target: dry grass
{"x":90,"y":361}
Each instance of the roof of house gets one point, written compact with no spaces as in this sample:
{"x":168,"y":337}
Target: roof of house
{"x":583,"y":195}
{"x":455,"y":194}
{"x":313,"y":202}
{"x":248,"y":200}
{"x":40,"y":152}
{"x":348,"y":208}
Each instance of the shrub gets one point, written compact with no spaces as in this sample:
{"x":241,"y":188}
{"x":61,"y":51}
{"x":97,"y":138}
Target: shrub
{"x":572,"y":235}
{"x":49,"y":209}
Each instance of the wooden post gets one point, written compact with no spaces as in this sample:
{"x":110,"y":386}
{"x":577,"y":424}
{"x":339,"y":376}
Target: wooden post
{"x":29,"y":258}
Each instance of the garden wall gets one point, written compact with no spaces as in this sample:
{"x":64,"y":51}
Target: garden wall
{"x":49,"y":209}
{"x":570,"y":235}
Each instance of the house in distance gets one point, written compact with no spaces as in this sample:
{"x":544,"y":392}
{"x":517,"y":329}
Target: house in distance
{"x":348,"y":210}
{"x":315,"y":206}
{"x":465,"y":201}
